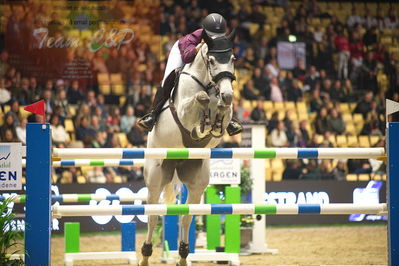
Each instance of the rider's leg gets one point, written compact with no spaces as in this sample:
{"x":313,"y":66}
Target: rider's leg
{"x":162,"y":95}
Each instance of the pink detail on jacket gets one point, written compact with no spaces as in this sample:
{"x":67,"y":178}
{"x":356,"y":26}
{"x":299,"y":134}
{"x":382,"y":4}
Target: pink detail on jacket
{"x":187,"y":46}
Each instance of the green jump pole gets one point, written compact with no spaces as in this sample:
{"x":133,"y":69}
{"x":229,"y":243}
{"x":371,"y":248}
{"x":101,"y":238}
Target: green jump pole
{"x":213,"y":232}
{"x":232,"y":222}
{"x":72,"y":237}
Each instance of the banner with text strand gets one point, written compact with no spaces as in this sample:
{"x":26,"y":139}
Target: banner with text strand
{"x":10,"y":166}
{"x":225,"y":172}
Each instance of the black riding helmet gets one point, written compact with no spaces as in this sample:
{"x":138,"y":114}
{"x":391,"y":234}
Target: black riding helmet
{"x":214,"y":24}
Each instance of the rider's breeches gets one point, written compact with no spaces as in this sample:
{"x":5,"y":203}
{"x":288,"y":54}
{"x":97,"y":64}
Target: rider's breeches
{"x":174,"y":61}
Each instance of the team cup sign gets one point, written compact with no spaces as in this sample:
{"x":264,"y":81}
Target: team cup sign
{"x":10,"y":166}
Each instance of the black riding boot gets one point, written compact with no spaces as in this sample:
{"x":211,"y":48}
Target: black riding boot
{"x":234,"y":127}
{"x":163,"y":93}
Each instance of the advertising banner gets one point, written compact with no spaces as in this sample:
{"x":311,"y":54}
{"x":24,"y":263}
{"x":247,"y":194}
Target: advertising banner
{"x":10,"y":166}
{"x":289,"y":53}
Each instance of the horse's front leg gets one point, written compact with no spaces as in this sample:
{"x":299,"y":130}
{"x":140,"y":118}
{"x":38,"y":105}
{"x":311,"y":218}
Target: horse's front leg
{"x":196,"y":110}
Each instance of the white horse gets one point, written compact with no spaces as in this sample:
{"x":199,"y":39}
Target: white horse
{"x":200,"y":110}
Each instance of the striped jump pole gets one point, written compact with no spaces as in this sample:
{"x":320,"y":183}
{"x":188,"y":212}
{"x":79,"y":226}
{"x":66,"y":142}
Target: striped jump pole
{"x":81,"y":198}
{"x":208,"y":209}
{"x":95,"y":162}
{"x":217,"y":153}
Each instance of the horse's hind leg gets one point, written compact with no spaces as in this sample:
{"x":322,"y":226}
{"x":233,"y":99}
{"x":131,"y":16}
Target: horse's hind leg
{"x":194,"y":197}
{"x":196,"y":177}
{"x":146,"y":249}
{"x":157,"y":173}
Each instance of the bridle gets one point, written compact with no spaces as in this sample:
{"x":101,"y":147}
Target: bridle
{"x":213,"y":83}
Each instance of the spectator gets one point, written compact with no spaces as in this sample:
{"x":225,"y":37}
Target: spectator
{"x":292,"y":171}
{"x":14,"y":111}
{"x":364,"y":106}
{"x":299,"y":71}
{"x":370,"y":37}
{"x":336,"y":91}
{"x":258,"y":114}
{"x":5,"y":95}
{"x":357,"y":48}
{"x":335,"y":123}
{"x":21,"y":131}
{"x":275,"y":95}
{"x":316,"y":102}
{"x":59,"y":135}
{"x":114,"y":62}
{"x":113,"y":119}
{"x":273,"y":122}
{"x":128,"y":120}
{"x":368,"y":80}
{"x":339,"y":172}
{"x":304,"y":133}
{"x":96,"y":175}
{"x":342,"y":46}
{"x":9,"y":136}
{"x":321,"y":121}
{"x":325,"y":170}
{"x":74,"y":94}
{"x":9,"y":124}
{"x":278,"y":137}
{"x":311,"y":79}
{"x":84,"y":133}
{"x":250,"y":92}
{"x":372,"y":126}
{"x":294,"y":94}
{"x":293,"y":135}
{"x":273,"y":68}
{"x":61,"y":101}
{"x":261,"y":83}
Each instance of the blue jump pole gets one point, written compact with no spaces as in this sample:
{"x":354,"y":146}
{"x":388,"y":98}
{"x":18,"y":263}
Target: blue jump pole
{"x":393,"y":195}
{"x":38,"y":191}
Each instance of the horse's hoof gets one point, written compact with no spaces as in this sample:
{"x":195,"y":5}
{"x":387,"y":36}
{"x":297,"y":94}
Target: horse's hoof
{"x":202,"y":98}
{"x":182,"y":262}
{"x":143,"y":263}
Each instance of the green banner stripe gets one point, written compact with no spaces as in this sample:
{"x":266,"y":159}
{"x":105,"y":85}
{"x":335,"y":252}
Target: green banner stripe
{"x":177,"y":154}
{"x":97,"y":163}
{"x":84,"y":197}
{"x":265,"y":209}
{"x":265,"y":153}
{"x":177,"y":209}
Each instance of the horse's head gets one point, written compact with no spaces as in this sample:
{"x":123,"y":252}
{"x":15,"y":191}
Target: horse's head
{"x":220,"y":66}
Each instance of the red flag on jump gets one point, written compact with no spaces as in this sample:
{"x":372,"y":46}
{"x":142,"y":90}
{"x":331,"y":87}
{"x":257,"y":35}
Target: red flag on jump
{"x":36,"y":108}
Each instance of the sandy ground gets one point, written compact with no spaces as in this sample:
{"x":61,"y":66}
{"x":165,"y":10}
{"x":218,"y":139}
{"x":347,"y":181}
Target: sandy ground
{"x":343,"y":245}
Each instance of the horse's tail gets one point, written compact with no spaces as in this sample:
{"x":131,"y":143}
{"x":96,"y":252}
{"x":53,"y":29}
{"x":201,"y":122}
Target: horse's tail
{"x":169,"y":191}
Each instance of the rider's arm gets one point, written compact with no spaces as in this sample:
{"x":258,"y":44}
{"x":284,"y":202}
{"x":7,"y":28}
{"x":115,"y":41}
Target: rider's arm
{"x":188,"y":46}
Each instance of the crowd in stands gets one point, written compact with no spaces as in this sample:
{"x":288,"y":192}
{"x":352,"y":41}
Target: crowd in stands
{"x":345,"y":62}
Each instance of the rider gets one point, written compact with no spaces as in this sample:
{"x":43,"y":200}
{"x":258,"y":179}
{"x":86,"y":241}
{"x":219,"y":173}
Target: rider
{"x":183,"y":52}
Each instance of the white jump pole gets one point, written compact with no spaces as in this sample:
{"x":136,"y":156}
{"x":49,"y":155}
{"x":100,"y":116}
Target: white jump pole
{"x":258,"y":243}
